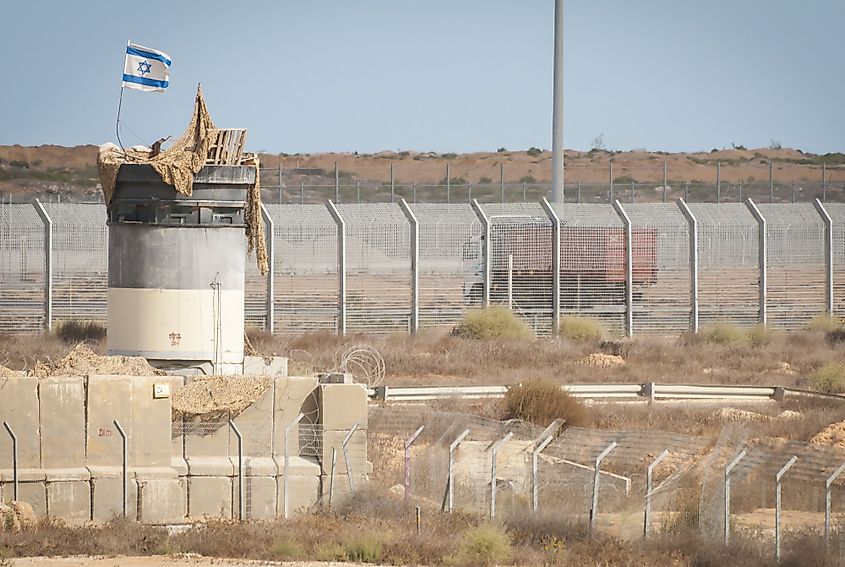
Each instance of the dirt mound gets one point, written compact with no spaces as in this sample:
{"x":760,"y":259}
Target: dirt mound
{"x":601,"y":360}
{"x":216,"y":396}
{"x":831,"y":436}
{"x":733,"y":414}
{"x":82,"y":361}
{"x":16,"y":516}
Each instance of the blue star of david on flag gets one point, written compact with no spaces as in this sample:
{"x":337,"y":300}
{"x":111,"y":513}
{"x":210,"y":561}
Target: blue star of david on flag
{"x":146,"y":69}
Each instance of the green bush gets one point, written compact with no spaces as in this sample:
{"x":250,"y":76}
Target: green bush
{"x":825,"y":324}
{"x":483,"y":545}
{"x":723,"y":334}
{"x":581,"y":329}
{"x":492,"y":323}
{"x":532,"y":151}
{"x":541,"y":402}
{"x":366,"y":548}
{"x":829,"y":378}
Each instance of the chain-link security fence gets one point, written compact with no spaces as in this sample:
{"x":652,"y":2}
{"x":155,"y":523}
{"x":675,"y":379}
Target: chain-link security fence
{"x":642,"y":268}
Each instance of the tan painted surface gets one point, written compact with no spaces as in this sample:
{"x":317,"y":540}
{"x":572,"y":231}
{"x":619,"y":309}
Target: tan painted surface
{"x":179,"y":323}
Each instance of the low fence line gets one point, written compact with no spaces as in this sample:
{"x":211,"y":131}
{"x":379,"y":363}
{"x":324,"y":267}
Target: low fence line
{"x":648,"y":392}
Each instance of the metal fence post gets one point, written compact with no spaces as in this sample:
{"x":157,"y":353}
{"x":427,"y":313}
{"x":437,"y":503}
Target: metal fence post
{"x":594,"y":508}
{"x":727,"y":514}
{"x":649,"y":492}
{"x":286,"y":480}
{"x":448,"y":186}
{"x":344,"y":445}
{"x":415,"y":261}
{"x":241,"y":486}
{"x":494,"y":451}
{"x":824,"y":182}
{"x":778,"y":478}
{"x":14,"y":439}
{"x":535,"y":478}
{"x":828,"y":255}
{"x":486,"y":252}
{"x":358,"y":192}
{"x":341,"y":267}
{"x":578,"y":194}
{"x":269,"y":323}
{"x":693,"y":263}
{"x":48,"y":264}
{"x":336,"y":184}
{"x":407,"y":476}
{"x":763,"y":261}
{"x":665,"y":180}
{"x":633,"y":190}
{"x":550,"y":212}
{"x":771,"y":182}
{"x":718,"y":182}
{"x":301,"y":193}
{"x":502,"y":180}
{"x":610,"y":180}
{"x":629,"y":268}
{"x":124,"y":465}
{"x":828,"y":484}
{"x":331,"y":475}
{"x":392,"y":183}
{"x":450,"y":481}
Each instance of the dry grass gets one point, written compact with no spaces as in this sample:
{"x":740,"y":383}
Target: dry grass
{"x":494,"y":322}
{"x":581,"y":329}
{"x":540,"y":402}
{"x":376,"y":529}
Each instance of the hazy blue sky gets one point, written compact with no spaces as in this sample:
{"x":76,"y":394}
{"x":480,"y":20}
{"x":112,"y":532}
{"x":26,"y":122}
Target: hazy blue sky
{"x":459,"y":75}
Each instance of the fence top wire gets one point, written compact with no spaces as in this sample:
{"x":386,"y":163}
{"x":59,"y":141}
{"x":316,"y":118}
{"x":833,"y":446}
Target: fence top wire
{"x":587,"y":215}
{"x":20,"y":216}
{"x":658,"y":215}
{"x":787,"y":216}
{"x":77,"y":214}
{"x":514,"y":212}
{"x":723,"y":215}
{"x":288,"y":217}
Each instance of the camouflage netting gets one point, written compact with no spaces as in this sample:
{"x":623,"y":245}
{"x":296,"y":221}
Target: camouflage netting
{"x":177,"y":166}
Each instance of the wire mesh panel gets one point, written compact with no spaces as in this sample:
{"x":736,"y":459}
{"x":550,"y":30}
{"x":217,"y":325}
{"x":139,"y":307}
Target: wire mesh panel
{"x":796,"y":266}
{"x":255,"y":295}
{"x":521,"y":261}
{"x":661,"y":268}
{"x":80,"y":261}
{"x":378,"y":268}
{"x":21,"y":270}
{"x":837,"y":215}
{"x":450,"y":264}
{"x":728,"y":264}
{"x":305,"y":268}
{"x":592,"y":263}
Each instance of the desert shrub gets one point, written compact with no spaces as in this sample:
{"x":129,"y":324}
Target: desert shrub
{"x":483,"y":545}
{"x":581,"y":329}
{"x":760,"y":335}
{"x":74,"y":332}
{"x":829,"y":378}
{"x":365,"y":548}
{"x":485,"y":180}
{"x":287,"y":548}
{"x":824,"y":324}
{"x":532,"y":151}
{"x":723,"y":334}
{"x":541,"y":402}
{"x":492,"y":323}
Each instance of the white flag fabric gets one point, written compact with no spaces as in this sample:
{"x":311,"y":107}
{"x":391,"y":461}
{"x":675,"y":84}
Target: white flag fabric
{"x":146,"y":69}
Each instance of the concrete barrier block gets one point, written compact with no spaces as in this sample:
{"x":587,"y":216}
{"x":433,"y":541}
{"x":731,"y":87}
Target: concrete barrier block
{"x":33,"y":493}
{"x":69,"y":501}
{"x":257,"y":466}
{"x":109,"y":399}
{"x":163,"y":501}
{"x":341,"y":486}
{"x":259,"y":366}
{"x":149,"y":443}
{"x":62,"y":411}
{"x":292,"y":395}
{"x":304,"y":493}
{"x":356,"y":450}
{"x":342,"y":405}
{"x":256,"y":426}
{"x":260,"y":493}
{"x":204,"y":439}
{"x":210,"y":496}
{"x":19,"y":407}
{"x":211,"y":466}
{"x":108,"y":499}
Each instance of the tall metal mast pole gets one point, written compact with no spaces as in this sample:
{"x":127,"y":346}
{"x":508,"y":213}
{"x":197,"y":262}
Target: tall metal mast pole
{"x":557,"y":108}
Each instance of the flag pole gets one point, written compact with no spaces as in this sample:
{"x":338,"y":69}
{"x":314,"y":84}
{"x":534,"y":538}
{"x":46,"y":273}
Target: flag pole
{"x":120,"y":105}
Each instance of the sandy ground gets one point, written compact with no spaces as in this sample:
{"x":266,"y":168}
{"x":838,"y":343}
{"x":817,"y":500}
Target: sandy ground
{"x":166,"y":560}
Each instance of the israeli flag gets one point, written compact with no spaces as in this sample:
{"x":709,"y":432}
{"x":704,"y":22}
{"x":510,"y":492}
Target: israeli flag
{"x":146,"y":69}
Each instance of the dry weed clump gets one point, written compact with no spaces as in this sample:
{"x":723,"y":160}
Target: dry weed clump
{"x":494,"y":322}
{"x":541,"y":401}
{"x":830,"y":378}
{"x":824,"y":324}
{"x":724,"y":334}
{"x":581,"y":329}
{"x":75,"y":331}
